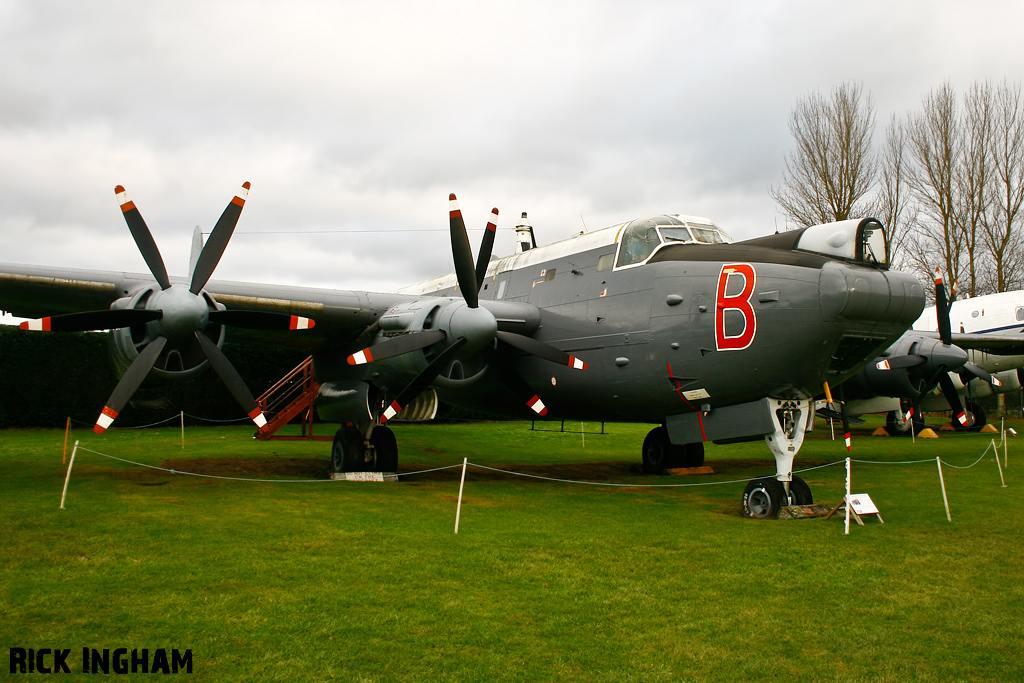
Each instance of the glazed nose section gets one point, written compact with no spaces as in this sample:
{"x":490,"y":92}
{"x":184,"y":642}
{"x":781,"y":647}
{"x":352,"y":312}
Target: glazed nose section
{"x":869,"y":295}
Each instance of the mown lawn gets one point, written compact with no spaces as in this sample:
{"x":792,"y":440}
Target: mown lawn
{"x":546,"y":581}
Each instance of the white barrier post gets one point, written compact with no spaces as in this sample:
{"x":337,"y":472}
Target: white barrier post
{"x":945,"y":500}
{"x":458,"y":508}
{"x":848,"y":477}
{"x":995,"y":449}
{"x":67,"y":477}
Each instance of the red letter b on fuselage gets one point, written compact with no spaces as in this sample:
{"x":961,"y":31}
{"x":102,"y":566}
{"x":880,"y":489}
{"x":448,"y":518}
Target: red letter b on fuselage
{"x":730,"y":300}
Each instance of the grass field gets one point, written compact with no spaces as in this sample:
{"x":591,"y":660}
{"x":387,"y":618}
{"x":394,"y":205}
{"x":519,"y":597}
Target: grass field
{"x":546,"y":581}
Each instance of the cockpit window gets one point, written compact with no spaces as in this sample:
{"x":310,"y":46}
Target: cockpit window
{"x":707,"y":234}
{"x":641,"y":238}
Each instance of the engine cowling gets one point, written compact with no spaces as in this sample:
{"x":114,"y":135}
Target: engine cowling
{"x":182,"y":357}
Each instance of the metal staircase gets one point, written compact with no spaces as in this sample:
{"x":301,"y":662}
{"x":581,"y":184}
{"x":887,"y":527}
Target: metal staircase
{"x":291,"y":397}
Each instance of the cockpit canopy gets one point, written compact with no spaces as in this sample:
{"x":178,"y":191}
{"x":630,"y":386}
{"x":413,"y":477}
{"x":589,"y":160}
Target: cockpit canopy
{"x":862,"y":240}
{"x":639,"y":239}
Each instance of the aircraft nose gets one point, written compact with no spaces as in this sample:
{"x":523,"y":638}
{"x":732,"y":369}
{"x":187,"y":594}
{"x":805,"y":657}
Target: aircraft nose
{"x":850,"y":293}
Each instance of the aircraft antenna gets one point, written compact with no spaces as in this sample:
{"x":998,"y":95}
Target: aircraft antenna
{"x":584,"y":223}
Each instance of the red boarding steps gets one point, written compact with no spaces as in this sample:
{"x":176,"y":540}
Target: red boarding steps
{"x":291,"y":396}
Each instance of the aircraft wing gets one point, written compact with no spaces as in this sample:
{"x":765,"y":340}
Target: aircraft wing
{"x":340,"y":315}
{"x":1000,"y":344}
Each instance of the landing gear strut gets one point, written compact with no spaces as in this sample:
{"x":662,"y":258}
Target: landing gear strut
{"x":764,"y":496}
{"x":364,"y":448}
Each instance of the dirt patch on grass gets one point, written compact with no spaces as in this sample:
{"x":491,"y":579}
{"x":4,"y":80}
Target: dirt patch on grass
{"x":252,"y":468}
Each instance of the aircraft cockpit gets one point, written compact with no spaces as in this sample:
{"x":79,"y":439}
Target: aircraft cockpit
{"x":860,"y":240}
{"x":639,"y":239}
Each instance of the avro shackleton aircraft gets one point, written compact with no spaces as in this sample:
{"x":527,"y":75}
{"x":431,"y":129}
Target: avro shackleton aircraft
{"x":660,"y":320}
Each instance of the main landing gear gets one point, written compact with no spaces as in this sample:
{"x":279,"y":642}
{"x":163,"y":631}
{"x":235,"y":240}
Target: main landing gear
{"x":764,"y":496}
{"x":660,"y":454}
{"x":364,"y":448}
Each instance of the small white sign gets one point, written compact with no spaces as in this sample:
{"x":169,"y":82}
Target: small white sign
{"x":862,"y":504}
{"x":696,"y":394}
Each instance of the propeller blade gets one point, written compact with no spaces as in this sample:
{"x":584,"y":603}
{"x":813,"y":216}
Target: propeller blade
{"x":129,"y":382}
{"x":232,"y":380}
{"x":261,"y":320}
{"x":952,"y":398}
{"x":422,"y":380}
{"x":462,"y":253}
{"x":484,"y":257}
{"x":218,"y":241}
{"x":143,"y":238}
{"x":196,"y":249}
{"x":515,"y":382}
{"x":942,"y":310}
{"x":969,"y":371}
{"x":899,"y":362}
{"x":397,"y":346}
{"x":541,"y":350}
{"x":86,"y":321}
{"x":844,"y":414}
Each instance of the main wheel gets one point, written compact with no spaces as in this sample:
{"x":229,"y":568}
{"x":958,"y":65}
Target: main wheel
{"x":800,"y":492}
{"x":896,"y":425}
{"x":347,"y":451}
{"x":976,"y":418}
{"x":763,"y":497}
{"x":385,"y":449}
{"x":658,"y":453}
{"x":693,"y":454}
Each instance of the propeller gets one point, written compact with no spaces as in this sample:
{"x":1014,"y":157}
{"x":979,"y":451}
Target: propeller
{"x":470,"y":328}
{"x":942,"y":308}
{"x":176,"y":317}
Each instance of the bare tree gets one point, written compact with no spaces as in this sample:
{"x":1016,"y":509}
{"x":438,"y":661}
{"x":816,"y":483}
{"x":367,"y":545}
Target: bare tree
{"x":936,"y":145}
{"x":1002,"y":231}
{"x":832,"y":169}
{"x":893,"y":196}
{"x":973,"y":178}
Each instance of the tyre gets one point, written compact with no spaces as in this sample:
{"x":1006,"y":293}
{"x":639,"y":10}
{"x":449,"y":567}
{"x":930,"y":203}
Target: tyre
{"x":658,"y":453}
{"x":976,"y":418}
{"x":763,"y":497}
{"x":385,"y":449}
{"x":897,"y":426}
{"x":693,"y":454}
{"x":800,"y":492}
{"x":347,"y":451}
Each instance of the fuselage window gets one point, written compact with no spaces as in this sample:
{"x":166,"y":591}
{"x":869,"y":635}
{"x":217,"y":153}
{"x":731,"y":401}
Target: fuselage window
{"x":1020,"y":313}
{"x":501,"y":289}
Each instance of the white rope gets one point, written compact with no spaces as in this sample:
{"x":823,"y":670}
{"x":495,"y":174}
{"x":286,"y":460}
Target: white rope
{"x":217,"y":476}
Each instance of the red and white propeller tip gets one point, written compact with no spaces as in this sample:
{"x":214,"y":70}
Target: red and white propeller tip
{"x":361,"y":357}
{"x":40,"y":325}
{"x":106,"y":418}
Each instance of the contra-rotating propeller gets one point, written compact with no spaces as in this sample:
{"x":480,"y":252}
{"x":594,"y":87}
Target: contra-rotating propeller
{"x":176,"y":316}
{"x":470,"y":327}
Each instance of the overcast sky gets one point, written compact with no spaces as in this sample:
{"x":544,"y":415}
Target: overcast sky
{"x":354,"y":120}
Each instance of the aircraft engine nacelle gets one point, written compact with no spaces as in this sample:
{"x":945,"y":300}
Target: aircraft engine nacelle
{"x":181,"y":358}
{"x":452,"y":316}
{"x":872,"y":380}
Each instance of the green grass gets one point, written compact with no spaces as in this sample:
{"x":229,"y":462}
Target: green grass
{"x":545,"y":581}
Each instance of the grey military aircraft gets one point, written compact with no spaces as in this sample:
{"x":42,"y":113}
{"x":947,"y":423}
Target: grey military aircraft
{"x":659,"y":320}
